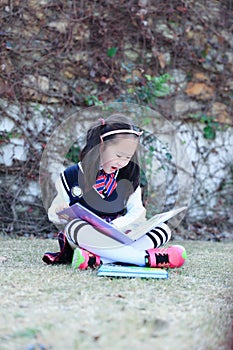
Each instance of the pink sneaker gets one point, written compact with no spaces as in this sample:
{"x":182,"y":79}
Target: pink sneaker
{"x":82,"y":259}
{"x":171,"y":257}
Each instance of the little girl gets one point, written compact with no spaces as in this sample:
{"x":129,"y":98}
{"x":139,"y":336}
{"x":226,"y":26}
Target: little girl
{"x":107,"y":182}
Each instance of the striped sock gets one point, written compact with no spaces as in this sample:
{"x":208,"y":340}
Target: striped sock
{"x":160,"y":235}
{"x":72,"y":229}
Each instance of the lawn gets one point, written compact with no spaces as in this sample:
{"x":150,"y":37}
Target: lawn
{"x":53,"y":307}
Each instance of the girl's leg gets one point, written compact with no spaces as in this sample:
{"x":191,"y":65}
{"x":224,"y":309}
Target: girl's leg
{"x":157,"y":237}
{"x":80,"y":233}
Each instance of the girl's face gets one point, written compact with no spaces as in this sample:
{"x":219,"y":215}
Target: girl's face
{"x":116,"y":154}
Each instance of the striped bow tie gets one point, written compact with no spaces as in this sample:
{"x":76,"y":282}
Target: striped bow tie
{"x":105,"y":183}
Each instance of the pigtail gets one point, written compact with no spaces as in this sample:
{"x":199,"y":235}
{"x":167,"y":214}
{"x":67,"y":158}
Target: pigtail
{"x":90,"y":157}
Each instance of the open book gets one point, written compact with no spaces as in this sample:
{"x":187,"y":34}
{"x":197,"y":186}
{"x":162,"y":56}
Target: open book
{"x":127,"y":237}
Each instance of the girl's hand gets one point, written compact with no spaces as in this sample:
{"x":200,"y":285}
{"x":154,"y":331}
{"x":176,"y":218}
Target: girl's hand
{"x":61,"y":207}
{"x":63,"y":218}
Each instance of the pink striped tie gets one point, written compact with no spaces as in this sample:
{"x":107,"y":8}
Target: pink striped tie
{"x":105,"y":183}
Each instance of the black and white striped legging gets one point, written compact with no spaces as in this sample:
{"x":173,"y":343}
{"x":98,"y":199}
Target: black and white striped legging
{"x":77,"y":230}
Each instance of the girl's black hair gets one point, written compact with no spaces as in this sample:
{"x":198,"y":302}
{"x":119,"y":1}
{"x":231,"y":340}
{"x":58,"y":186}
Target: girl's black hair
{"x":90,"y":156}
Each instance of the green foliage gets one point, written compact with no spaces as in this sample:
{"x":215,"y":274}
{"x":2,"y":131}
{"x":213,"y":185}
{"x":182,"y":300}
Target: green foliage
{"x":158,"y":86}
{"x":141,"y":90}
{"x":92,"y":100}
{"x":209,"y":131}
{"x":168,"y":156}
{"x":154,"y":87}
{"x":146,"y":90}
{"x":73,"y":154}
{"x":211,"y":126}
{"x":112,"y":51}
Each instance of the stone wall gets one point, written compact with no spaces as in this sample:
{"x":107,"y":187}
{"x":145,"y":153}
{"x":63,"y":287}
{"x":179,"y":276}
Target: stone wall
{"x":58,"y":57}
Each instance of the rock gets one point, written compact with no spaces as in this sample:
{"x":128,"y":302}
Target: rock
{"x":6,"y":65}
{"x":162,"y":28}
{"x":164,"y":59}
{"x":5,"y":88}
{"x":220,"y":114}
{"x":131,"y":55}
{"x":43,"y":83}
{"x":15,"y":150}
{"x":68,"y":73}
{"x":229,"y":60}
{"x":142,"y":3}
{"x":229,"y":85}
{"x":201,"y":91}
{"x":36,"y":3}
{"x":61,"y":26}
{"x":59,"y":87}
{"x":227,"y":35}
{"x":178,"y":75}
{"x":199,"y":76}
{"x":28,"y":82}
{"x":183,"y":106}
{"x":81,"y":32}
{"x":33,"y":87}
{"x":178,"y":81}
{"x":11,"y":110}
{"x":219,"y":67}
{"x":5,"y":2}
{"x":6,"y":124}
{"x":80,"y":56}
{"x":134,"y":77}
{"x":148,"y":56}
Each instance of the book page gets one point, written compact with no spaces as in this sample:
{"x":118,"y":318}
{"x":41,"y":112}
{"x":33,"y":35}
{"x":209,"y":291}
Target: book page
{"x":141,"y":229}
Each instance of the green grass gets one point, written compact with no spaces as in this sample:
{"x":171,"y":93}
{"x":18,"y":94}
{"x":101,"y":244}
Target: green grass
{"x":59,"y":308}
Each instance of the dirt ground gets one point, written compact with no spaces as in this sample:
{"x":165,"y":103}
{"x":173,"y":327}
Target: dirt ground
{"x":53,"y":307}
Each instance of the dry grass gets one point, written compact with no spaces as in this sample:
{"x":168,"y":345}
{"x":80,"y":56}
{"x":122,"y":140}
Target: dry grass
{"x":53,"y":307}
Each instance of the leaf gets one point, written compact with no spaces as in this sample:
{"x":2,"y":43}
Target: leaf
{"x":168,"y":156}
{"x":151,"y":149}
{"x":130,"y":90}
{"x":148,"y":77}
{"x":112,"y":51}
{"x":209,"y":133}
